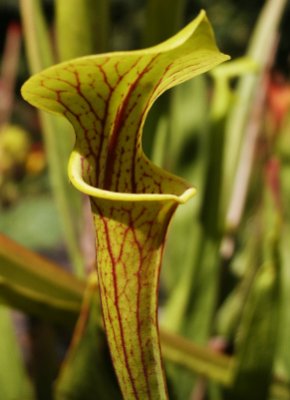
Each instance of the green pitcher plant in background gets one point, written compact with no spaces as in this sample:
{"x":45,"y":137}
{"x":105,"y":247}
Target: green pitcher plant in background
{"x":107,"y":98}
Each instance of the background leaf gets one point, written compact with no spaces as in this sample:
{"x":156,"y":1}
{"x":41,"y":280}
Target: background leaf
{"x":14,"y":382}
{"x":36,"y":285}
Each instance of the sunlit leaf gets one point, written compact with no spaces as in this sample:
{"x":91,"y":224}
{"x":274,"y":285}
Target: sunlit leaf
{"x":107,"y":98}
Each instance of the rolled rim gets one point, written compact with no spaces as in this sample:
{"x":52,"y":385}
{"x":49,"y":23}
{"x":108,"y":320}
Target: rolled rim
{"x":79,"y":183}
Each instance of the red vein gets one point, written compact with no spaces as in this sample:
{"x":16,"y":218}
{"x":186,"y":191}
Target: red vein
{"x":154,"y":95}
{"x":116,"y":302}
{"x":111,"y":90}
{"x":104,"y":299}
{"x":145,"y":372}
{"x":118,"y":122}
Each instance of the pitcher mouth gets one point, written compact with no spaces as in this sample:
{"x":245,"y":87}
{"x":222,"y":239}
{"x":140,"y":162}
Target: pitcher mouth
{"x":75,"y":176}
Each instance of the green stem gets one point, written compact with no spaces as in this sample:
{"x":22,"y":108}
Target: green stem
{"x":82,"y":27}
{"x":172,"y":12}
